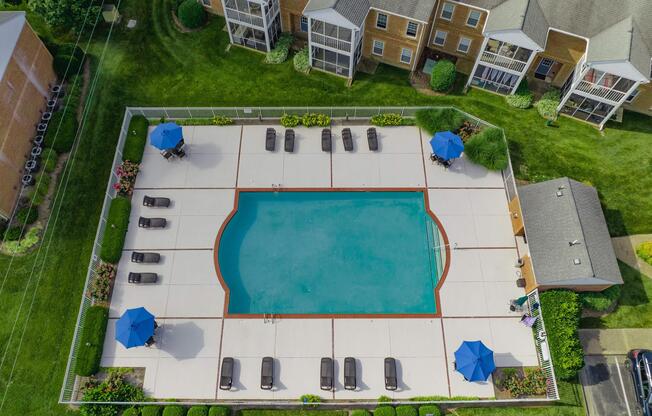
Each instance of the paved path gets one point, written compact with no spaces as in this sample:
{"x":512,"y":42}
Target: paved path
{"x":614,"y":341}
{"x":625,"y":248}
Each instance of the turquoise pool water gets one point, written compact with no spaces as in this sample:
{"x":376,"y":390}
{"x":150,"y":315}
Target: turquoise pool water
{"x":330,"y":253}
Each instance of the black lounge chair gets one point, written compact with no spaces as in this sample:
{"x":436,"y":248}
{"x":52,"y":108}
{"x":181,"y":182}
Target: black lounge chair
{"x":144,"y":222}
{"x":142,"y":277}
{"x":289,"y":140}
{"x":326,"y":374}
{"x":270,"y":140}
{"x":267,"y":373}
{"x":148,"y":257}
{"x":347,"y":139}
{"x":372,"y":139}
{"x":390,"y":374}
{"x":226,"y":377}
{"x":326,"y":141}
{"x":158,"y":202}
{"x":350,"y":381}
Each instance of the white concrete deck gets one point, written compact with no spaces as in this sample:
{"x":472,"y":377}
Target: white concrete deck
{"x":188,"y":300}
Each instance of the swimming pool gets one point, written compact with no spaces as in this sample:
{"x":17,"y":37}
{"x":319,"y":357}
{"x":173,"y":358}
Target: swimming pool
{"x":330,"y":253}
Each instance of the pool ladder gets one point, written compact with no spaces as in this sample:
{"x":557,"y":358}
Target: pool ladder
{"x":268,"y":318}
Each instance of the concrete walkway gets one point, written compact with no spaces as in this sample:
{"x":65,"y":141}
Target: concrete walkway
{"x":614,"y":341}
{"x":625,"y":248}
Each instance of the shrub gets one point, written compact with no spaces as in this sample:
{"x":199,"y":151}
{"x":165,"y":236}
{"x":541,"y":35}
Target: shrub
{"x":49,"y":159}
{"x":429,"y":410}
{"x":387,"y":119}
{"x":384,"y":399}
{"x":532,"y":383}
{"x":600,"y":301}
{"x":222,"y":121}
{"x":360,"y":412}
{"x":219,"y":411}
{"x":92,"y":341}
{"x":198,"y":411}
{"x":547,"y":105}
{"x":644,"y":251}
{"x":561,"y":312}
{"x":68,"y":52}
{"x":29,"y":240}
{"x":151,"y":410}
{"x":301,"y":61}
{"x":290,"y":121}
{"x":39,"y":191}
{"x":433,"y":120}
{"x":3,"y":226}
{"x":114,"y":389}
{"x":488,"y":148}
{"x":60,"y":136}
{"x":279,"y":54}
{"x":522,"y":98}
{"x":132,"y":411}
{"x":315,"y":119}
{"x":101,"y":284}
{"x":127,"y":173}
{"x":384,"y":411}
{"x":136,"y":138}
{"x":116,"y":228}
{"x":442,"y":77}
{"x":191,"y":14}
{"x":12,"y":233}
{"x":27,"y":215}
{"x":310,"y":398}
{"x":406,"y":410}
{"x":174,"y":410}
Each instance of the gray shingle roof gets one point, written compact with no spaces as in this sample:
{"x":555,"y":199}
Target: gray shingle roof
{"x":525,"y":15}
{"x":414,"y":9}
{"x":552,"y":222}
{"x":11,"y":25}
{"x":355,"y":11}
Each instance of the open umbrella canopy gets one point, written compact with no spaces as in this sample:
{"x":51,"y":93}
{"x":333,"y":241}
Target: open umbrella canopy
{"x":134,"y":327}
{"x":447,"y":145}
{"x":166,"y":136}
{"x":474,"y":361}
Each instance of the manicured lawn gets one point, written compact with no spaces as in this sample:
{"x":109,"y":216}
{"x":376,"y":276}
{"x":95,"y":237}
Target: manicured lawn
{"x":155,"y":65}
{"x":635,"y":308}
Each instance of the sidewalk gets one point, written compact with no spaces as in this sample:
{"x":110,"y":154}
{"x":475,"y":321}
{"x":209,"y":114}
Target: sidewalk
{"x":614,"y":341}
{"x":625,"y":248}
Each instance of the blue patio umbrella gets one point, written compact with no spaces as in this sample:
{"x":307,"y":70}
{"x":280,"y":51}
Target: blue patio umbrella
{"x":166,"y":136}
{"x":446,"y":145}
{"x":474,"y":360}
{"x":134,"y":327}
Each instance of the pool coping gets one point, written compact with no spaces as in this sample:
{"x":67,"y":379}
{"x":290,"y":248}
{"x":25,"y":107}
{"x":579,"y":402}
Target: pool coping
{"x":225,"y":287}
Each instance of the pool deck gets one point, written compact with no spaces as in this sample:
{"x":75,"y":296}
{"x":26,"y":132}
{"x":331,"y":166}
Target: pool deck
{"x":188,"y":301}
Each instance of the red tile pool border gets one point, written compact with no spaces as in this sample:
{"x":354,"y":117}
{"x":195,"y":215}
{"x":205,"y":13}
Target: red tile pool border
{"x":236,"y":200}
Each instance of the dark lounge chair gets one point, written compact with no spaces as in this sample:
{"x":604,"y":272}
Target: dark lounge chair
{"x":142,"y":277}
{"x":372,"y":139}
{"x":148,"y":257}
{"x":270,"y":140}
{"x":226,"y":377}
{"x":267,"y":373}
{"x":347,"y":139}
{"x":390,"y":374}
{"x":145,"y":222}
{"x":289,"y":140}
{"x":158,"y":202}
{"x":326,"y":374}
{"x":350,"y":381}
{"x":326,"y":140}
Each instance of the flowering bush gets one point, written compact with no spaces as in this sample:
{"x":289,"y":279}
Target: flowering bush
{"x":290,"y":121}
{"x":101,"y":285}
{"x":467,"y":130}
{"x":315,"y":119}
{"x":533,"y":383}
{"x":222,"y":121}
{"x":387,"y":119}
{"x":127,"y":173}
{"x":547,"y":105}
{"x":301,"y":61}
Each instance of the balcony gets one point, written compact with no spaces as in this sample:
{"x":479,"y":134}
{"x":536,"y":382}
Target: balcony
{"x":503,"y":61}
{"x":334,"y":43}
{"x":600,"y":91}
{"x":244,"y":18}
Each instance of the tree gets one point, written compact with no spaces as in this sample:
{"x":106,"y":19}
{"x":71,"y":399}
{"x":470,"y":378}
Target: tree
{"x":65,"y":15}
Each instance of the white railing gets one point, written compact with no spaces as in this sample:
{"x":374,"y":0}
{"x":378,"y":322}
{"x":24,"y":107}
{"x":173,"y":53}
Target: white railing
{"x":503,"y":61}
{"x":330,"y":42}
{"x":541,"y":343}
{"x":599,"y":91}
{"x":245,"y":18}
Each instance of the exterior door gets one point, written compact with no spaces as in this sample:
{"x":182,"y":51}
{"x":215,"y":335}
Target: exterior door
{"x":543,"y":68}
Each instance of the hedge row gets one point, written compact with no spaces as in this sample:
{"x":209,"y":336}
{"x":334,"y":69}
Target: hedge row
{"x":488,"y":148}
{"x":434,"y":120}
{"x":176,"y":410}
{"x":116,"y":229}
{"x":136,"y":137}
{"x":92,"y":341}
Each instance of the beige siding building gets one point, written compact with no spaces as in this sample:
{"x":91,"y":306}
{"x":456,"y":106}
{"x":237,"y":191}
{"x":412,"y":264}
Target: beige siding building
{"x":25,"y":77}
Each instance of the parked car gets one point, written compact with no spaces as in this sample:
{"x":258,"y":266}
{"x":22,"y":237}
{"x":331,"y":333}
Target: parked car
{"x":639,"y":363}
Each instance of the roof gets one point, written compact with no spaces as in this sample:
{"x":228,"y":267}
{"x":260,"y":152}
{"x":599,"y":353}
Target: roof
{"x":563,"y":229}
{"x":11,"y":25}
{"x":355,"y":11}
{"x":525,"y":15}
{"x":414,"y":9}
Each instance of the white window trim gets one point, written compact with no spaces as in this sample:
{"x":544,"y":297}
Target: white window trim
{"x":400,"y":58}
{"x":434,"y":40}
{"x":407,"y":26}
{"x":469,"y":15}
{"x":634,"y":94}
{"x":459,"y":42}
{"x":386,"y":21}
{"x":441,"y":14}
{"x":373,"y":47}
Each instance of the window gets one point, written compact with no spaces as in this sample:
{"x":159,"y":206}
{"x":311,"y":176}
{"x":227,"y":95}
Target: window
{"x":406,"y":55}
{"x":304,"y":24}
{"x":473,"y":19}
{"x":464,"y":45}
{"x":440,"y":38}
{"x":381,"y":21}
{"x":379,"y":47}
{"x":412,"y":29}
{"x":447,"y":11}
{"x":632,"y":96}
{"x":206,"y":2}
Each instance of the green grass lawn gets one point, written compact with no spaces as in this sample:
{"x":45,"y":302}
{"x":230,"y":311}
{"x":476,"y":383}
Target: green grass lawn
{"x":154,"y":65}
